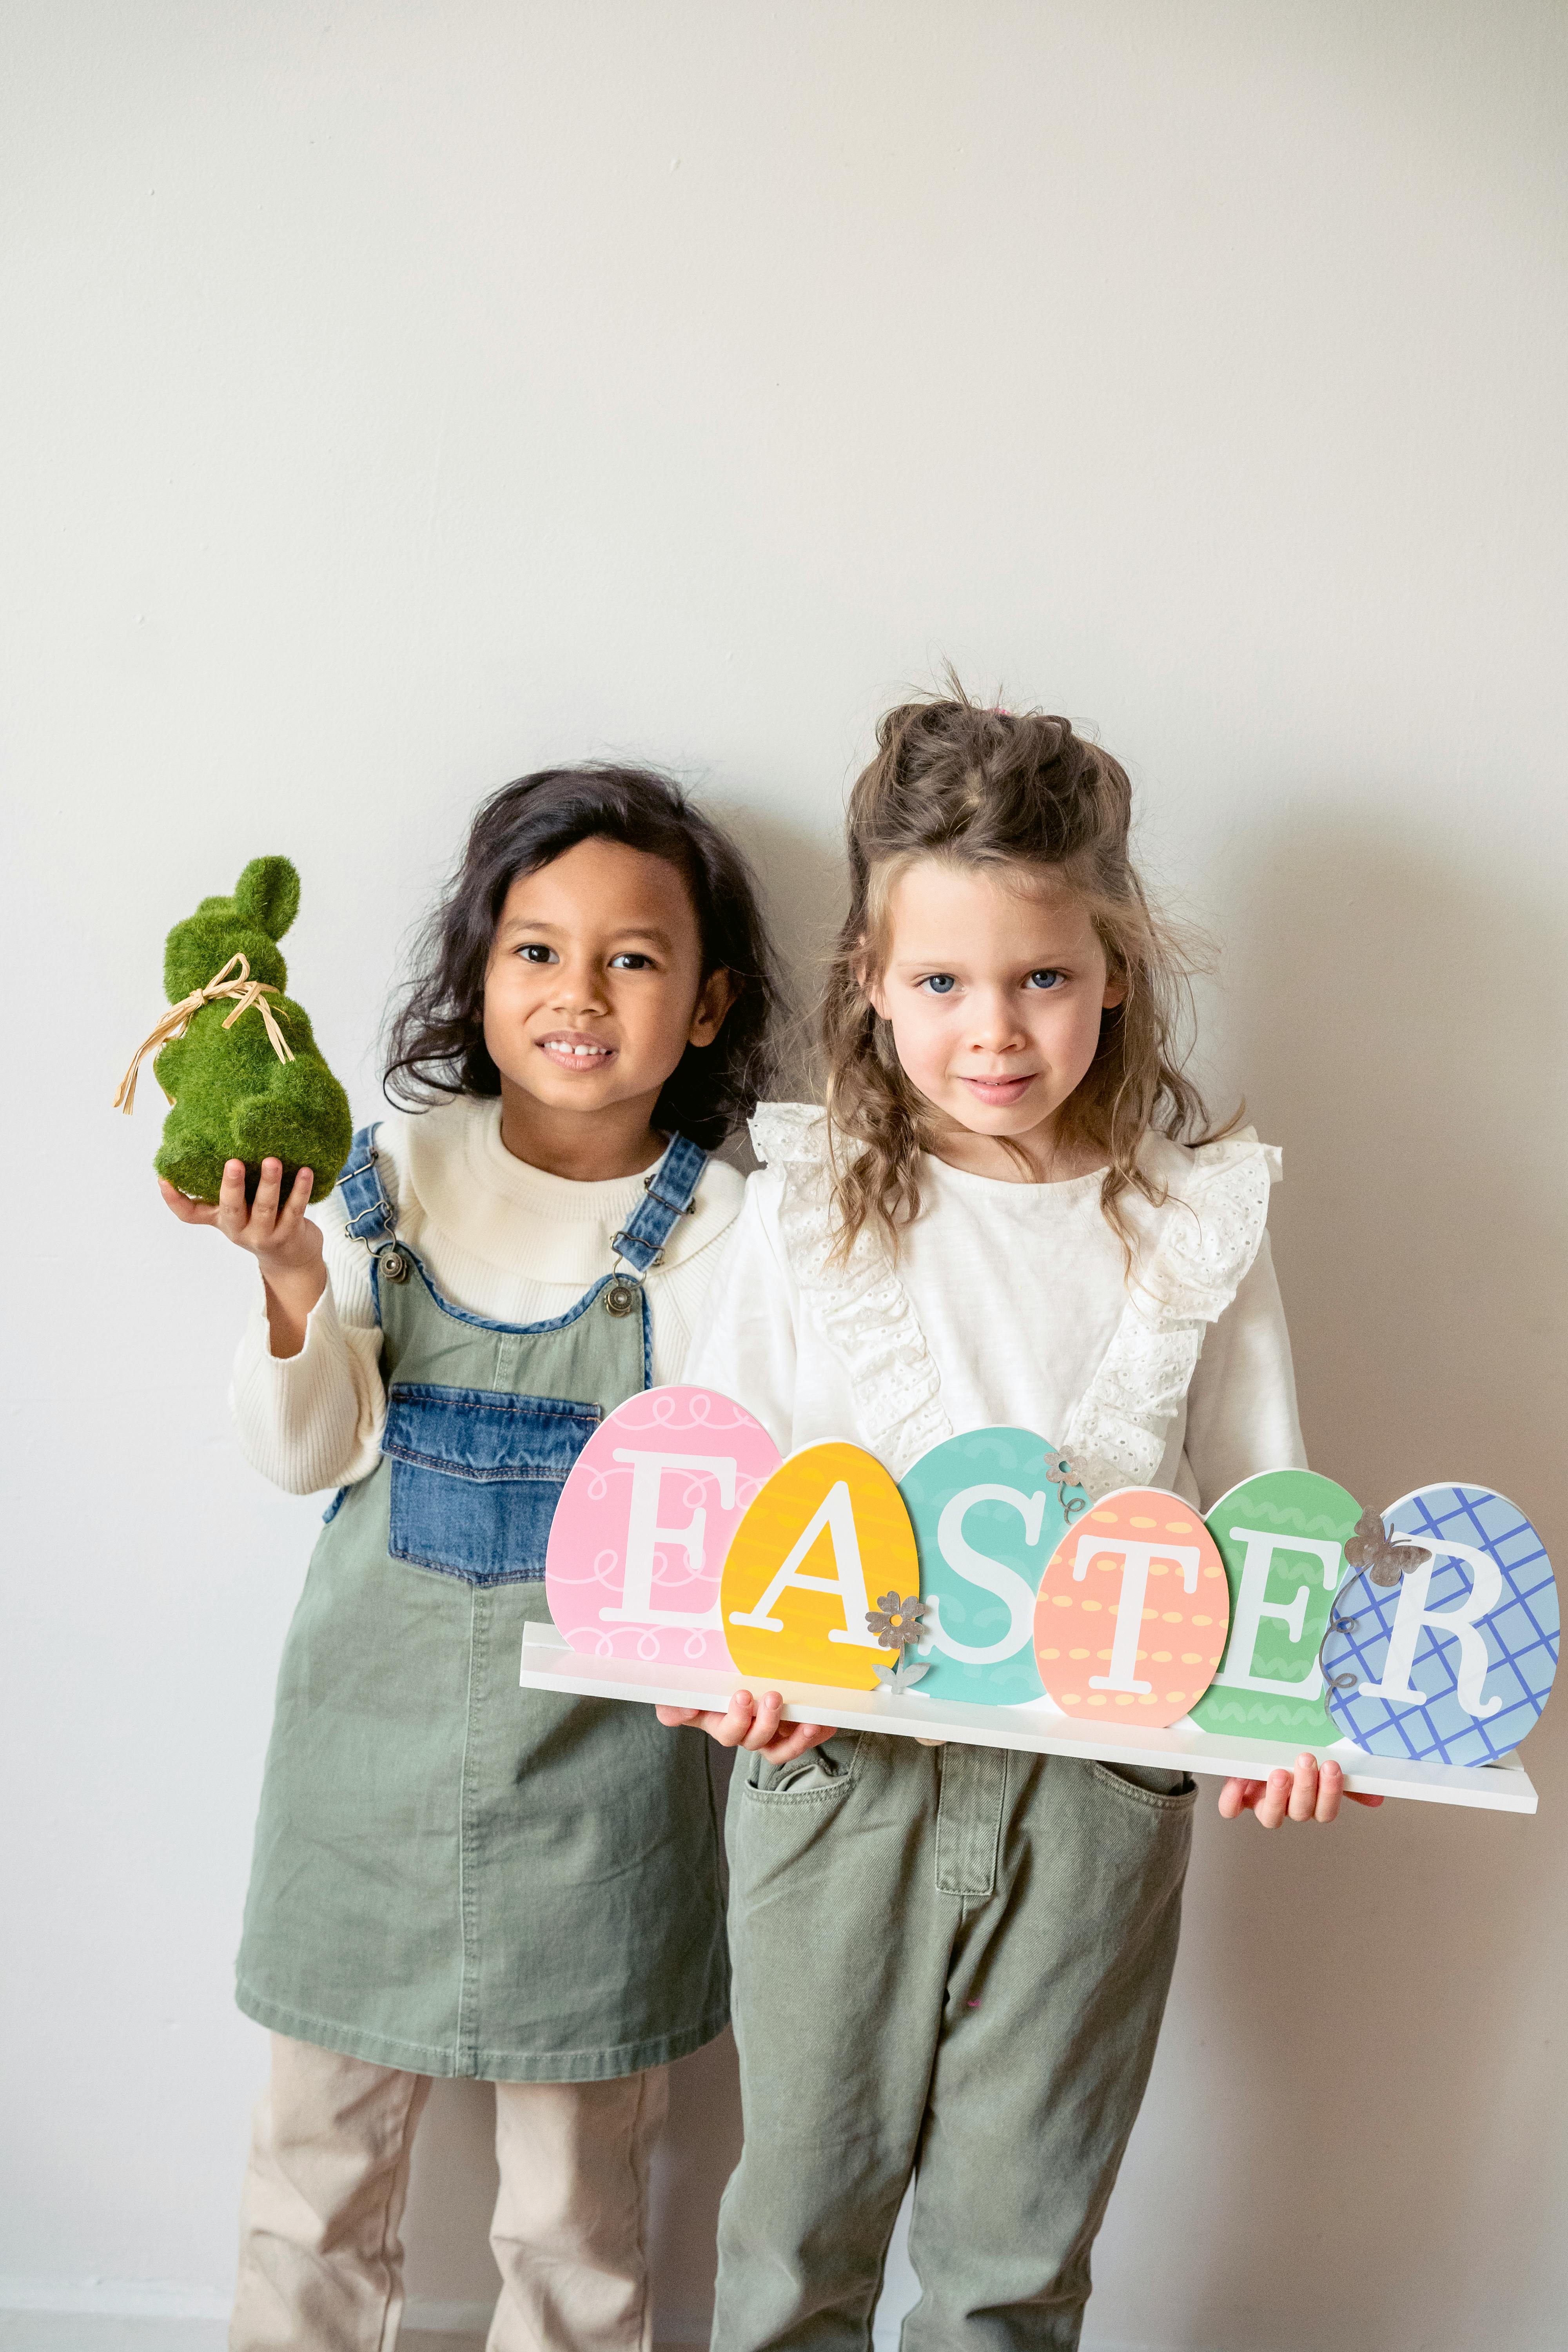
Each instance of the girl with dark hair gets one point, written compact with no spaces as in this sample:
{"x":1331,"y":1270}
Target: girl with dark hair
{"x":452,"y":1875}
{"x":1012,"y":1212}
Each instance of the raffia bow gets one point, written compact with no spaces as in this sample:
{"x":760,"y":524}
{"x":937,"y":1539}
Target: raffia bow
{"x":246,"y":993}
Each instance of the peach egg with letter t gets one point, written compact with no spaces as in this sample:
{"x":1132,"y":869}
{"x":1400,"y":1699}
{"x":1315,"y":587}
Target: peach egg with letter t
{"x":1132,"y":1611}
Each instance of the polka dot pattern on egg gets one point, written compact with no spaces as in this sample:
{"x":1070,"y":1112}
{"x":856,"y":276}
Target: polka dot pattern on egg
{"x":1133,"y":1611}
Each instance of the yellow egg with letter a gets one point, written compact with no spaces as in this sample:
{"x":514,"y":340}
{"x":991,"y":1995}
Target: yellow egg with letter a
{"x":821,"y":1544}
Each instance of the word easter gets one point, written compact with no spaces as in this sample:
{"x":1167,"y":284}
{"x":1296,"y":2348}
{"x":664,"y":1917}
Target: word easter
{"x":988,"y":1575}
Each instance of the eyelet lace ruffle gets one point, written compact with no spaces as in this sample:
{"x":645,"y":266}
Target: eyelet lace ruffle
{"x":1210,"y":1230}
{"x":859,"y":1305}
{"x":1204,"y":1240}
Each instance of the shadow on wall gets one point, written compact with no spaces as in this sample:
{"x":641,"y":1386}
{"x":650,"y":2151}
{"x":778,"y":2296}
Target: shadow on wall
{"x":1365,"y":2039}
{"x":804,"y":890}
{"x":451,"y":2194}
{"x":696,"y":2157}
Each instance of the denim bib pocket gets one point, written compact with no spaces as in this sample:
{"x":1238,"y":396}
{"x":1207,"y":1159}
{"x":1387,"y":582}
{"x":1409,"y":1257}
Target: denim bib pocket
{"x":475,"y":1476}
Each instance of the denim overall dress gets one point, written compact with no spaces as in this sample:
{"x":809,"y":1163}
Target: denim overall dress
{"x":452,"y":1875}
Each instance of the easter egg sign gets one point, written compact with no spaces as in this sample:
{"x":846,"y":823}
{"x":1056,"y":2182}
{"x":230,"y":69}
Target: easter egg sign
{"x":990,"y":1599}
{"x":827,"y":1535}
{"x":1133,"y":1611}
{"x":643,"y":1522}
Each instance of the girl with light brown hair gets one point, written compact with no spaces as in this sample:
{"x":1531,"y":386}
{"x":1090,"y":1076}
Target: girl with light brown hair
{"x":952,"y":1960}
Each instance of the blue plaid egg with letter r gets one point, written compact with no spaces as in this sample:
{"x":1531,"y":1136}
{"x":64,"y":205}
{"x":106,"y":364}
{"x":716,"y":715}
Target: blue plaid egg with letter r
{"x":1443,"y":1651}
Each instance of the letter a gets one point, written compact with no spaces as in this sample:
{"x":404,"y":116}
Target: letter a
{"x":835,"y":1512}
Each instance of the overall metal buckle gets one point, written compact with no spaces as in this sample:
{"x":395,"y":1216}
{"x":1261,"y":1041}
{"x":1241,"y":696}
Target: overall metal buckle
{"x":616,"y":1251}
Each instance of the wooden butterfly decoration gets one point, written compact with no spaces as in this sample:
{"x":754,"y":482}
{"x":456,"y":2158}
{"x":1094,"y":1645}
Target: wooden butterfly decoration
{"x":1372,"y":1554}
{"x":1370,"y":1551}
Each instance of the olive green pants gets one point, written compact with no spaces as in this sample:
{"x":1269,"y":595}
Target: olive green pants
{"x":951,"y":1961}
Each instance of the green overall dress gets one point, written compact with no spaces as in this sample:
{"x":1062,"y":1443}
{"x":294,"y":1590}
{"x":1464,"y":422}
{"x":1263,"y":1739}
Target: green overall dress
{"x":452,"y":1875}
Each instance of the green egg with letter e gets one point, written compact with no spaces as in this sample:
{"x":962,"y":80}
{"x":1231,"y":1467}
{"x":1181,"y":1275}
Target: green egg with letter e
{"x":1281,"y":1537}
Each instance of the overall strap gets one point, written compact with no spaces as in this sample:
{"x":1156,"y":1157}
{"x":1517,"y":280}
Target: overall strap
{"x":667,"y":1193}
{"x":363,"y":1194}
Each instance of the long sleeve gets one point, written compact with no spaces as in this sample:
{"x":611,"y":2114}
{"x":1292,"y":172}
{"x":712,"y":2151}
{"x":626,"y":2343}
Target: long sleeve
{"x":314,"y":1420}
{"x":499,"y":1239}
{"x":1241,"y":1407}
{"x":747,"y":1348}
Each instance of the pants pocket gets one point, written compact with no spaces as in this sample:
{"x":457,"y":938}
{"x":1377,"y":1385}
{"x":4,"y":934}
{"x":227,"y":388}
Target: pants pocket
{"x":819,"y":1772}
{"x":1152,"y":1783}
{"x":475,"y":1476}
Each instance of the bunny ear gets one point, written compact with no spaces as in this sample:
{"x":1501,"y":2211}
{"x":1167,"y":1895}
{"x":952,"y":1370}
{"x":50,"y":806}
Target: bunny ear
{"x":268,"y":894}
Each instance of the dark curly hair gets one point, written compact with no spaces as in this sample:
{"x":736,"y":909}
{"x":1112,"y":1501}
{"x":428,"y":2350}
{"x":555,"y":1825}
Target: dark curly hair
{"x":437,"y":1045}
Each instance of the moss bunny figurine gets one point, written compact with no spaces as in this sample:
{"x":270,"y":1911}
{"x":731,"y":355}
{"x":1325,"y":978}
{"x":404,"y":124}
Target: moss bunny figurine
{"x":235,"y":1056}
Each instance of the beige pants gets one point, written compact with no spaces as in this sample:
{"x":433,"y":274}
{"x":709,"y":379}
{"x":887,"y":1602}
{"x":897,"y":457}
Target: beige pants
{"x":321,"y":2262}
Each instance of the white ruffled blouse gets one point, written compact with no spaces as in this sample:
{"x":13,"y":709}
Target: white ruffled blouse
{"x":1010,"y":1305}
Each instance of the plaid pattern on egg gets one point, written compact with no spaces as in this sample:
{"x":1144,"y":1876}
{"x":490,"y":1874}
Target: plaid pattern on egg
{"x":1520,"y":1633}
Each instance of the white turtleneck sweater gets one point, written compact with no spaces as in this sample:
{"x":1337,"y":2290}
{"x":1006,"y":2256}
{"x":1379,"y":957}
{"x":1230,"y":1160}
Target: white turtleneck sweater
{"x":498,"y":1238}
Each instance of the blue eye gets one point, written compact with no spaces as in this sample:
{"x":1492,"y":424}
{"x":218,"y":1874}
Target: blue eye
{"x":941,"y":983}
{"x":1048,"y":977}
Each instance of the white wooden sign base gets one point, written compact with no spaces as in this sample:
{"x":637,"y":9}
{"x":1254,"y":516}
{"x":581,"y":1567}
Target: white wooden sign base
{"x":547,"y":1663}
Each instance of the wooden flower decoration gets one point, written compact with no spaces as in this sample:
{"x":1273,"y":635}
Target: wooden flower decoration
{"x":899,"y":1624}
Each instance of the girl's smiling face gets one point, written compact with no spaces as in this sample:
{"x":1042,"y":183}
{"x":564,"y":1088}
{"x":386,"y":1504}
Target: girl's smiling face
{"x":993,"y":982}
{"x":594,"y":990}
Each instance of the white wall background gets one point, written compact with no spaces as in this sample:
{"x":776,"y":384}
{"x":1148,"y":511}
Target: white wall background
{"x":400,"y":397}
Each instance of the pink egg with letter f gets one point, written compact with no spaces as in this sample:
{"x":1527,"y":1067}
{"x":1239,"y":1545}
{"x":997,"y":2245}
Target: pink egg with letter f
{"x":638,"y":1543}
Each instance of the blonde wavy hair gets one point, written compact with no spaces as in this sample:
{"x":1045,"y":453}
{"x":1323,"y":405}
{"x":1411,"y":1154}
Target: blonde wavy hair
{"x":982,"y":788}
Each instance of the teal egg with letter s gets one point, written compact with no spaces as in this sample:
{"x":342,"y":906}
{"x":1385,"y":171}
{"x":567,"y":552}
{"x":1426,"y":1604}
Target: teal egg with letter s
{"x":989,"y":1508}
